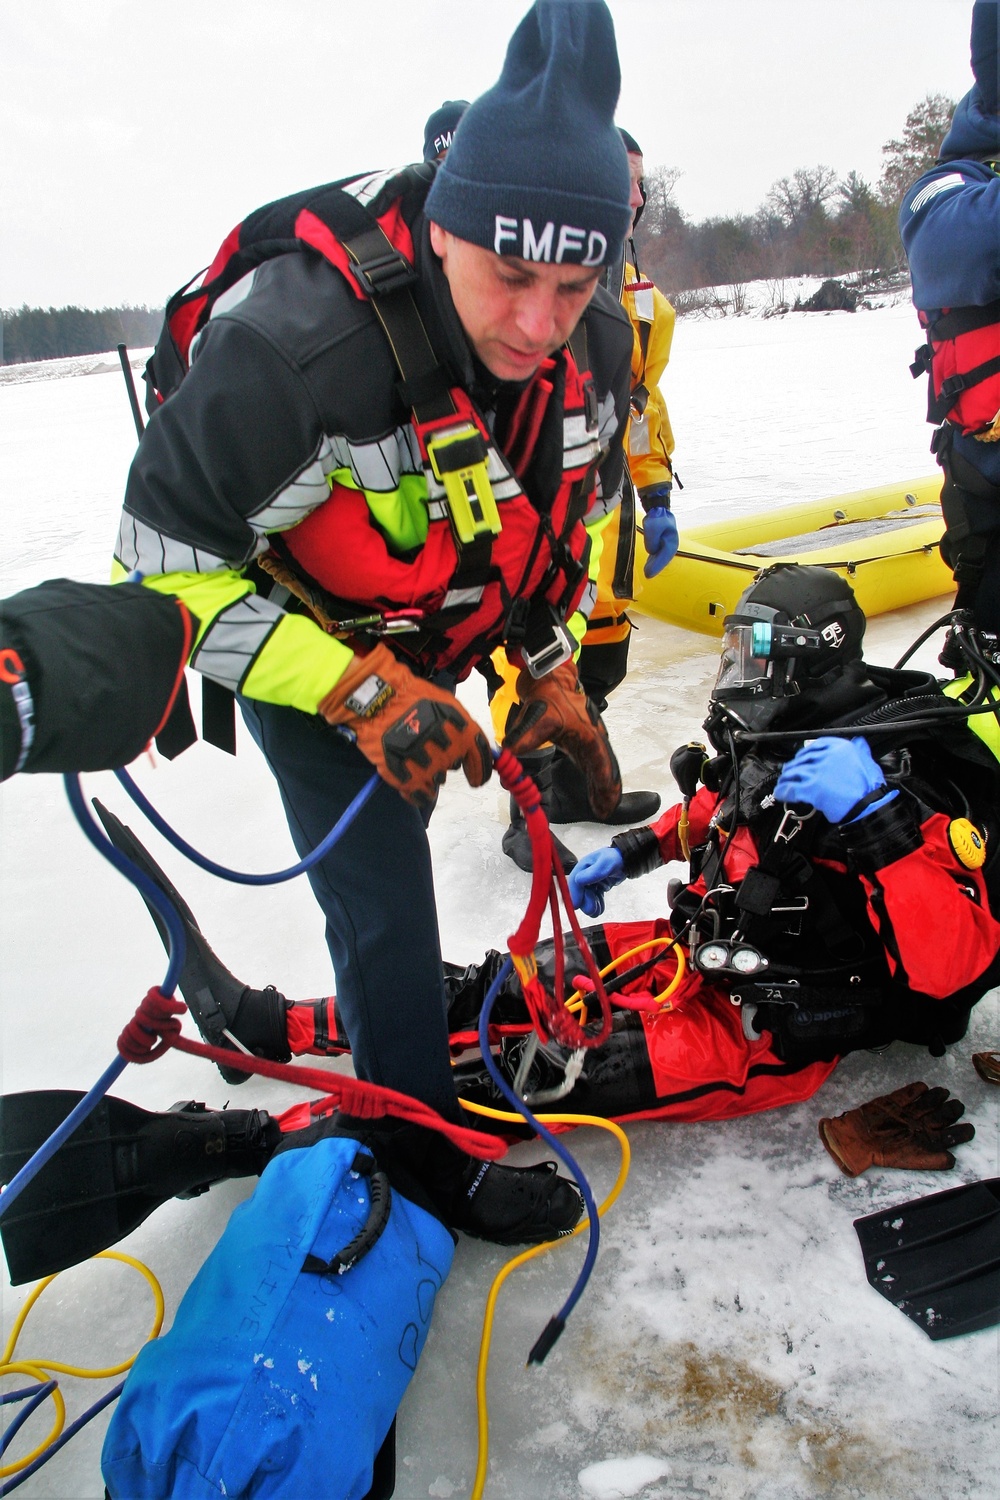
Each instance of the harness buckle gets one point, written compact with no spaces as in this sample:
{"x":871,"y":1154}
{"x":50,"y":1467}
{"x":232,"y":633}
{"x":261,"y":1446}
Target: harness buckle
{"x":458,"y":460}
{"x":388,"y":271}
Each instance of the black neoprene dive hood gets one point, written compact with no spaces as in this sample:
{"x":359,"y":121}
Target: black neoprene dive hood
{"x":755,"y":686}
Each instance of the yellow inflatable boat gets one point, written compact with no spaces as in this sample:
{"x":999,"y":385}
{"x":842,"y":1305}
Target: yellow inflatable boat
{"x":884,"y":541}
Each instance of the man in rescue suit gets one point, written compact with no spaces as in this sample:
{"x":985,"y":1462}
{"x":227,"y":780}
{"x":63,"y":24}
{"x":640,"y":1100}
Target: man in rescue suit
{"x":603,"y":659}
{"x":406,"y":419}
{"x":839,"y":896}
{"x":949,"y":222}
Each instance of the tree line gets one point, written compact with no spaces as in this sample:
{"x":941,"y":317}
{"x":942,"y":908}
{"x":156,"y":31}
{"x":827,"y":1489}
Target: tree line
{"x":28,"y":333}
{"x":810,"y":224}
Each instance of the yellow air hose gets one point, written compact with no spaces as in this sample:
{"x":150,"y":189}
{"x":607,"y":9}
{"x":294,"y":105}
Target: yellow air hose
{"x":482,"y":1412}
{"x":43,"y":1369}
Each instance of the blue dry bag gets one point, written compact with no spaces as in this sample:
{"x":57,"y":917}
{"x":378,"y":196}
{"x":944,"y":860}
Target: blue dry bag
{"x":292,"y":1347}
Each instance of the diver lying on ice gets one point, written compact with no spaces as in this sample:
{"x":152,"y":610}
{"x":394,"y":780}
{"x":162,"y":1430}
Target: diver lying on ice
{"x":838,"y":894}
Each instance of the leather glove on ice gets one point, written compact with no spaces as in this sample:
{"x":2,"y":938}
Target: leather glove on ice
{"x":911,"y":1127}
{"x":412,"y":731}
{"x":839,"y":778}
{"x":555,"y":707}
{"x":659,"y":528}
{"x":592,"y":877}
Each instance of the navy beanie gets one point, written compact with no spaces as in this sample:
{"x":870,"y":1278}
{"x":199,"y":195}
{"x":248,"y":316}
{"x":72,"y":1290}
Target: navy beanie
{"x":986,"y":54}
{"x":538,"y":169}
{"x":440,"y":127}
{"x":631,"y":144}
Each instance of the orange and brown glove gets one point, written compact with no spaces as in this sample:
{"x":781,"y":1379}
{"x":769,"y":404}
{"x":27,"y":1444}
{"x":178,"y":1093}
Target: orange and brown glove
{"x":555,"y":707}
{"x":412,"y":731}
{"x":911,"y":1127}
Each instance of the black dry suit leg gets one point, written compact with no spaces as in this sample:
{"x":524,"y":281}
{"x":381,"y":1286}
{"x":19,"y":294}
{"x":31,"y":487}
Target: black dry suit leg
{"x":119,"y":1165}
{"x":218,"y":1001}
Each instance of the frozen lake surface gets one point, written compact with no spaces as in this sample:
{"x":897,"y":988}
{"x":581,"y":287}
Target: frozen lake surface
{"x":729,"y":1346}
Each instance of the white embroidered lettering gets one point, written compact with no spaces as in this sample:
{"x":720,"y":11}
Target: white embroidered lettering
{"x":570,"y":240}
{"x":540,"y":248}
{"x":596,"y":248}
{"x":506,"y":229}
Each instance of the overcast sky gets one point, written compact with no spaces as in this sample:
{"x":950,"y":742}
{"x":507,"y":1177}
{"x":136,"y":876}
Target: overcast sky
{"x":134,"y":135}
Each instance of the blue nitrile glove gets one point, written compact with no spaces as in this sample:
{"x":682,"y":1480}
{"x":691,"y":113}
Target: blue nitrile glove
{"x":592,"y":877}
{"x":834,"y":776}
{"x":659,"y":528}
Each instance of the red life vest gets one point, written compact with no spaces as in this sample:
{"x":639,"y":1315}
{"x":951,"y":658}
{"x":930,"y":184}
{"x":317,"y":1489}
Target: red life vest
{"x":463,"y":610}
{"x":963,"y":356}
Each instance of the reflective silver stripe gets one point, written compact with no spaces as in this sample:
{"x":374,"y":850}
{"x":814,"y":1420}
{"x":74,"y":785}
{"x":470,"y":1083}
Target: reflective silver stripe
{"x":229,"y":299}
{"x":143,"y":547}
{"x":588,"y":598}
{"x":579,"y":444}
{"x":367,"y":188}
{"x":308,"y":490}
{"x":607,"y":420}
{"x":454,"y":597}
{"x":437,"y":510}
{"x":234,"y":639}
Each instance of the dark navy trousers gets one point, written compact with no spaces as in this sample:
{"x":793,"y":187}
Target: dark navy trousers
{"x":376,"y":891}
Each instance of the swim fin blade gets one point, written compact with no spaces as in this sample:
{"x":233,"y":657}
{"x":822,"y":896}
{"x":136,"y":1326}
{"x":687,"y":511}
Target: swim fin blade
{"x":118,"y":1166}
{"x":212,"y":993}
{"x":938,"y":1258}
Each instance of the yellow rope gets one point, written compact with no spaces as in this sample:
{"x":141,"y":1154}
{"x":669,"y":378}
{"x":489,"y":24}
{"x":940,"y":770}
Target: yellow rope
{"x":577,"y":1001}
{"x":42,"y":1369}
{"x":482,"y":1413}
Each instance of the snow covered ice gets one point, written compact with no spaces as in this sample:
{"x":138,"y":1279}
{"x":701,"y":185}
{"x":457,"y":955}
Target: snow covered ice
{"x":729,"y":1346}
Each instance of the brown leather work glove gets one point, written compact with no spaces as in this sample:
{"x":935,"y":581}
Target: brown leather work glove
{"x":910,"y":1127}
{"x":412,"y":731}
{"x":555,"y":707}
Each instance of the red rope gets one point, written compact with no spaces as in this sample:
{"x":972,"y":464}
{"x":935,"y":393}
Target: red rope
{"x":154,"y":1029}
{"x":548,"y":885}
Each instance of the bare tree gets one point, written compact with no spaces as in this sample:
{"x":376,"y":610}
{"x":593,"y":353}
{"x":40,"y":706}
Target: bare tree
{"x":907,"y":158}
{"x":803,"y":196}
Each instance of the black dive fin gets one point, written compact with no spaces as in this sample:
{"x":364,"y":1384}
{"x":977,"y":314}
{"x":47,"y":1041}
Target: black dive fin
{"x":213,"y":994}
{"x":114,"y":1170}
{"x":938,"y":1258}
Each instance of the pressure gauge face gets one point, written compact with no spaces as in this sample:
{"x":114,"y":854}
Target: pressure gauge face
{"x":747,"y":960}
{"x":713,"y":956}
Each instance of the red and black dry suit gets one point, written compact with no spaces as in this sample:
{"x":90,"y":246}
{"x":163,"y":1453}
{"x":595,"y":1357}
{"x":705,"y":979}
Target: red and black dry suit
{"x":871,"y":937}
{"x":292,"y":415}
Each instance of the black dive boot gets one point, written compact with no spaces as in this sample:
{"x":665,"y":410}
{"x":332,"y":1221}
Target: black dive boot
{"x":118,"y":1166}
{"x":223,"y":1007}
{"x":567,"y":800}
{"x":515,"y":842}
{"x":506,"y":1205}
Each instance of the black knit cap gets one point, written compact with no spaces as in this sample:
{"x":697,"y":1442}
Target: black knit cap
{"x":814,"y":597}
{"x":538,"y":169}
{"x":440,"y":127}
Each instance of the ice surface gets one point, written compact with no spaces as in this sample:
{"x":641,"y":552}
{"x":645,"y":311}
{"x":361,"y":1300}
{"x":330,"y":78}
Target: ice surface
{"x":729,"y":1346}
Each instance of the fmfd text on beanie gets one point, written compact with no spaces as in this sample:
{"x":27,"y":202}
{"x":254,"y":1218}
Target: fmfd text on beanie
{"x":538,"y":169}
{"x":440,"y":128}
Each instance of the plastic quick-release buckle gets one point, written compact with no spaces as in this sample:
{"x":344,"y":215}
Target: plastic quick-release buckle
{"x":458,"y":459}
{"x":379,"y":274}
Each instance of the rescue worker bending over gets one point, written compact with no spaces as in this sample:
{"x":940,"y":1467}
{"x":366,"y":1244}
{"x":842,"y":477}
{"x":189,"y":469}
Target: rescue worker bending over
{"x":406,"y":418}
{"x":949,"y":222}
{"x":603,"y":659}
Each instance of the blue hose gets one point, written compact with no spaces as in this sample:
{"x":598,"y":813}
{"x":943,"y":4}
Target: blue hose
{"x":312,"y":858}
{"x":557,"y":1323}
